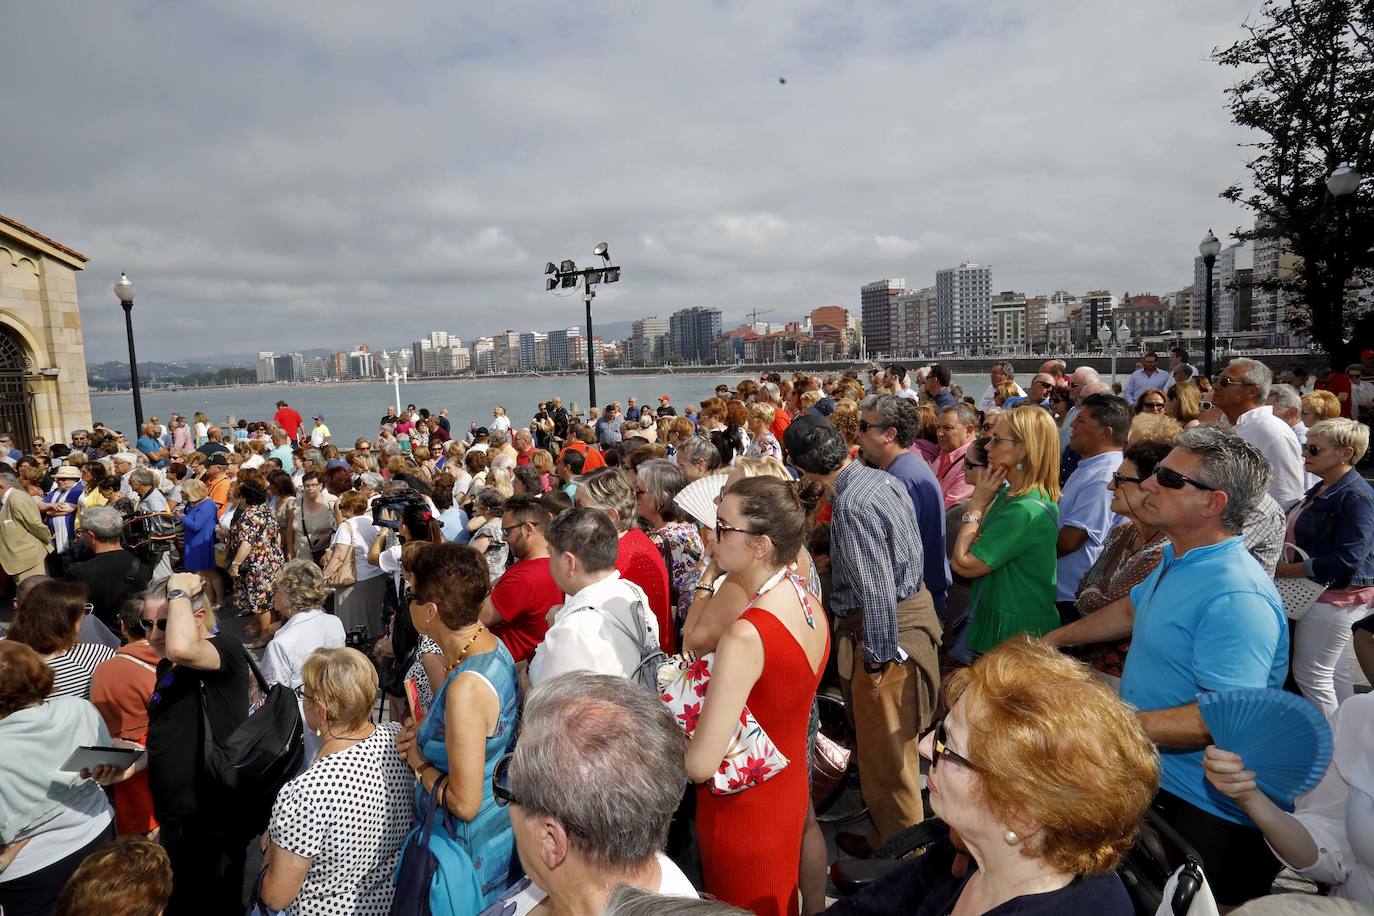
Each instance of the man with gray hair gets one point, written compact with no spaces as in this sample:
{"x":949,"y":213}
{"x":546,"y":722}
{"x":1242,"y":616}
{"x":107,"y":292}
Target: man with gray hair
{"x":1078,"y":383}
{"x":112,"y":574}
{"x":1240,"y":392}
{"x":1207,"y":619}
{"x":1001,"y":371}
{"x":592,"y":786}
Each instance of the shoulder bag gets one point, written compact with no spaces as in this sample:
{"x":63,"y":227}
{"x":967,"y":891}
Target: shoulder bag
{"x":347,"y":574}
{"x":651,"y":655}
{"x":261,"y":754}
{"x":418,"y":864}
{"x":1298,"y":592}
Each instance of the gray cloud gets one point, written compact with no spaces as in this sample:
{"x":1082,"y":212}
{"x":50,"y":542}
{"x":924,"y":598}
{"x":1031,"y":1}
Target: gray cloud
{"x":318,"y":174}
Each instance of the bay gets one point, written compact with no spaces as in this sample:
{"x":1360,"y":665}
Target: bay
{"x":351,"y":410}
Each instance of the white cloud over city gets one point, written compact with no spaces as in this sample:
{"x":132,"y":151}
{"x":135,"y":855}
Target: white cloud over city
{"x":284,"y":176}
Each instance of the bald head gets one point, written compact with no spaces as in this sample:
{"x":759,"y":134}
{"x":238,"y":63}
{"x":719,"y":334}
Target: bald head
{"x":1082,"y":377}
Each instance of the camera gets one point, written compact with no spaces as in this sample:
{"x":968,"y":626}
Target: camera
{"x":395,"y":505}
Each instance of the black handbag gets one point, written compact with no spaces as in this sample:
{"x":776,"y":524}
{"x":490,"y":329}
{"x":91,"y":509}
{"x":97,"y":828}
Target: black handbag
{"x":262,"y":753}
{"x":415,"y":874}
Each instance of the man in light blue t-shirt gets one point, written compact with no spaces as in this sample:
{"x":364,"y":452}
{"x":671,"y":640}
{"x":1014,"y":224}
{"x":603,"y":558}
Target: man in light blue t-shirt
{"x":1208,"y":618}
{"x":1085,"y":506}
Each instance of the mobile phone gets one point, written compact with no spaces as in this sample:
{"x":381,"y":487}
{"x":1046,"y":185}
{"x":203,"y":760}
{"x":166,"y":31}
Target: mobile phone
{"x":413,"y":699}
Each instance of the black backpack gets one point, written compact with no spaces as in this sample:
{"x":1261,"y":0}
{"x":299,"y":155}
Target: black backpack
{"x":261,"y":754}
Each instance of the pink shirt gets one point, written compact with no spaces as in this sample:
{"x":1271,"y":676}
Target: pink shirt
{"x":949,"y":470}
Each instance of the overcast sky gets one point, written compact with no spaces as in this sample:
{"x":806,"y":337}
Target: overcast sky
{"x":284,"y":175}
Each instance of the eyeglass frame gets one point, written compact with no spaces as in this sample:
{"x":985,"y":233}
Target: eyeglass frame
{"x":1119,"y":479}
{"x":721,"y":528}
{"x":940,"y":749}
{"x":1183,"y":478}
{"x":865,"y":426}
{"x":1225,"y":381}
{"x":504,"y":797}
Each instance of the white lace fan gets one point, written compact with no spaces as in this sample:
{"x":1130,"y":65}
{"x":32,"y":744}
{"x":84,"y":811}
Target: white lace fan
{"x":698,"y":499}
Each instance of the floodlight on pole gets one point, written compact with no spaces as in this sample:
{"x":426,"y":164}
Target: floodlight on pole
{"x":124,"y":292}
{"x":1343,"y":181}
{"x":567,"y":275}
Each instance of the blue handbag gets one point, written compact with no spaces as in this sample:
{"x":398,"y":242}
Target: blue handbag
{"x":415,"y":872}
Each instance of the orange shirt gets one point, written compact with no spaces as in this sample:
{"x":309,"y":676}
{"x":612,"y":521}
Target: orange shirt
{"x":219,"y":494}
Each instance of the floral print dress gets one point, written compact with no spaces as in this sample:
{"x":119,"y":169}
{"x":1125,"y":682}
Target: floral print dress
{"x":682,"y":550}
{"x":255,"y":526}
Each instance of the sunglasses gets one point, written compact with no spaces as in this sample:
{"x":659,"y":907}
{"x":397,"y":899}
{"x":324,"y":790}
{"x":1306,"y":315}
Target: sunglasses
{"x":865,"y":426}
{"x":1119,"y":479}
{"x":1152,"y":405}
{"x":941,"y":750}
{"x":505,"y":532}
{"x":150,"y":624}
{"x":1173,"y":480}
{"x":1225,"y":381}
{"x":721,"y":528}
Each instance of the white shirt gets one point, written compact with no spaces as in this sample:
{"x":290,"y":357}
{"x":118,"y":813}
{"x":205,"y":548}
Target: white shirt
{"x":303,"y":633}
{"x":526,"y":895}
{"x":1066,"y":431}
{"x":1339,"y":812}
{"x":1363,"y":393}
{"x":1140,"y":382}
{"x":990,"y":393}
{"x":585,"y":640}
{"x":1276,"y":441}
{"x":501,"y":422}
{"x":360,"y":532}
{"x":908,"y":394}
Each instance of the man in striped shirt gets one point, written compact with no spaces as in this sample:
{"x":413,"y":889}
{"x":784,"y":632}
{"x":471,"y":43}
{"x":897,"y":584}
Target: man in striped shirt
{"x":886,"y":619}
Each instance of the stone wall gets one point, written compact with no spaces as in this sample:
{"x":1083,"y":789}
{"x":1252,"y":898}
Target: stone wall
{"x":38,"y":304}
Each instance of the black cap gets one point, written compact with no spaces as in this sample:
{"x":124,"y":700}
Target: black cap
{"x":814,"y":445}
{"x":217,"y":460}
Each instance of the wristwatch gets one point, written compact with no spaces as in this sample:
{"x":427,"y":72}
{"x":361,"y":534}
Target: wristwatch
{"x":178,"y":593}
{"x":972,"y":517}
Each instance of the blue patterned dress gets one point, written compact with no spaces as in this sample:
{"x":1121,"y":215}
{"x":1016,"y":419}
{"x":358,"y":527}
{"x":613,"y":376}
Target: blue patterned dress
{"x":476,"y":858}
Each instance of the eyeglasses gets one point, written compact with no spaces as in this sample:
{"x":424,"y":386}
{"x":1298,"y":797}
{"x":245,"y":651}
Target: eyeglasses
{"x":941,"y":750}
{"x":500,"y":782}
{"x":1152,"y":405}
{"x":1173,"y":480}
{"x":1004,"y":439}
{"x":721,"y":528}
{"x":150,"y":624}
{"x":1119,"y":479}
{"x":865,"y":426}
{"x":1225,"y":381}
{"x":505,"y":532}
{"x":1313,"y":450}
{"x":163,"y":682}
{"x":301,"y":694}
{"x":973,"y":466}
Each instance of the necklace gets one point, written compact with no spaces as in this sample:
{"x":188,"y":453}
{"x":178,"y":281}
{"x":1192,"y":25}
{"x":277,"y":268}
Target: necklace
{"x":463,"y":653}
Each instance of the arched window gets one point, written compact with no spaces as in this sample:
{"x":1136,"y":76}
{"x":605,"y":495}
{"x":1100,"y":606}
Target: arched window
{"x":16,"y":404}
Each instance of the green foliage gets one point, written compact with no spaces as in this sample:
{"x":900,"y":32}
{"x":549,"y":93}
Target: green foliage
{"x":1307,"y":88}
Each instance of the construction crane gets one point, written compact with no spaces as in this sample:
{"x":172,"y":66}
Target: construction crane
{"x":754,"y":315}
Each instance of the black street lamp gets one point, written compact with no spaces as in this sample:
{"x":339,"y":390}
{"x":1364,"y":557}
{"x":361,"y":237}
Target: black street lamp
{"x":124,"y":289}
{"x":1209,"y":249}
{"x":567,"y":275}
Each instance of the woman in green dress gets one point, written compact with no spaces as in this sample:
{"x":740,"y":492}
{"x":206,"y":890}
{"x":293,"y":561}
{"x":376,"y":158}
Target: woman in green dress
{"x":1006,"y":541}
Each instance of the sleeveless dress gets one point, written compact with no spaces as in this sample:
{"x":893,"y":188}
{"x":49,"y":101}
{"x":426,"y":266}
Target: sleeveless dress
{"x":743,"y":865}
{"x":476,"y":858}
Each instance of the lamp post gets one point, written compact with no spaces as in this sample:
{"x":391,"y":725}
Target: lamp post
{"x":1209,"y":248}
{"x":395,"y":378}
{"x":566,"y":275}
{"x":1342,"y":184}
{"x":1123,"y":340}
{"x":124,"y":290}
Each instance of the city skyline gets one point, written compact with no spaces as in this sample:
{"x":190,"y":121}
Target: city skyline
{"x":416,"y":165}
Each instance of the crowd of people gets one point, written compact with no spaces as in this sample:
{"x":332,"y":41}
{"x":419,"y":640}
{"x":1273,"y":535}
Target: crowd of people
{"x":500,"y":643}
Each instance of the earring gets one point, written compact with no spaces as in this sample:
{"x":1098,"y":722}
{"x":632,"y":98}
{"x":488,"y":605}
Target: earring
{"x":1020,"y":466}
{"x":1011,"y":838}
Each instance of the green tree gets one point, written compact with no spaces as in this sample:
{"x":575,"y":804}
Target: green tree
{"x":1307,"y":88}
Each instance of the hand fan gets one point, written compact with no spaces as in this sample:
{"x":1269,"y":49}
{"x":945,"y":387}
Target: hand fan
{"x":698,"y":499}
{"x":1280,"y":736}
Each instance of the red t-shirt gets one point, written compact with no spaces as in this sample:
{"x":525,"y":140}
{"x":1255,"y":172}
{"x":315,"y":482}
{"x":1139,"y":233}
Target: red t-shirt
{"x":641,"y":563}
{"x":781,"y":420}
{"x":592,"y":458}
{"x":1339,"y":384}
{"x":289,"y":420}
{"x":522,"y":459}
{"x":523,"y":596}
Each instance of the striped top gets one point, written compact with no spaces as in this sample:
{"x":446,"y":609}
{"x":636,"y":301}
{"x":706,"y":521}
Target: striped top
{"x":74,"y":668}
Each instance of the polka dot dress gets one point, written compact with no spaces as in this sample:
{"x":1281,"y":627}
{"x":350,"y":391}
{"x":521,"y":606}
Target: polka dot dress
{"x":349,"y":813}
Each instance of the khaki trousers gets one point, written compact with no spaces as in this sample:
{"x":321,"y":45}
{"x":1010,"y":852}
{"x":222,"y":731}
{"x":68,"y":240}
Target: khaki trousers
{"x":891,"y":709}
{"x":39,"y":569}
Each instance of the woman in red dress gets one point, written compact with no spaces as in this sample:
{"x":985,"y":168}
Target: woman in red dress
{"x":771,"y":660}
